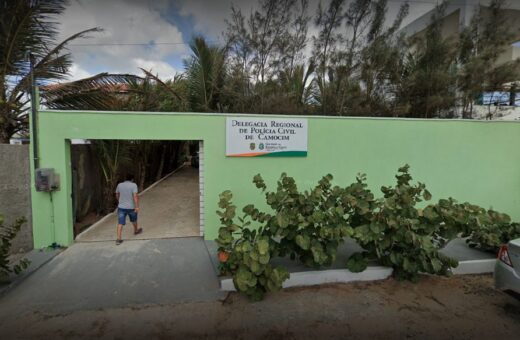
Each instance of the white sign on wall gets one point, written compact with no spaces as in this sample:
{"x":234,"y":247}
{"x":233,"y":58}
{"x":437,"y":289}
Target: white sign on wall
{"x":266,"y":137}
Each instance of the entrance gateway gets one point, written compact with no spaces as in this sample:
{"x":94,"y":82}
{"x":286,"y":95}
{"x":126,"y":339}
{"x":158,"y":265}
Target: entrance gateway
{"x":169,"y":207}
{"x":304,"y":147}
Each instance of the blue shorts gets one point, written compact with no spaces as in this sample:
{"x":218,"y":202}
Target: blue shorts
{"x":121,"y":215}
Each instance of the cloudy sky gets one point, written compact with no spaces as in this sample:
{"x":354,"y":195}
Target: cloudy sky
{"x":154,"y":34}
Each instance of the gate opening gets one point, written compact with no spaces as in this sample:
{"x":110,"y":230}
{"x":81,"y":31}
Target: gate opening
{"x":168,"y":174}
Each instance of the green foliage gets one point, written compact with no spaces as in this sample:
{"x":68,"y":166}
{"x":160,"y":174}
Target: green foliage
{"x":400,"y":235}
{"x":29,"y":26}
{"x":362,"y":64}
{"x":205,"y":75}
{"x":250,"y":252}
{"x":480,"y":46}
{"x":495,"y":232}
{"x":407,"y":238}
{"x":310,"y":225}
{"x":7,"y":234}
{"x":428,"y":74}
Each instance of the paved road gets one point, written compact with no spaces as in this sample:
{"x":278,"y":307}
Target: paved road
{"x":101,"y":275}
{"x":459,"y":307}
{"x":170,"y":209}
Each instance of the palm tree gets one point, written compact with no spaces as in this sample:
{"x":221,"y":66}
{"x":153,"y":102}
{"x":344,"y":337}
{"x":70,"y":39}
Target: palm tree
{"x":122,"y":92}
{"x":205,"y":73}
{"x":28,"y":30}
{"x":297,"y":85}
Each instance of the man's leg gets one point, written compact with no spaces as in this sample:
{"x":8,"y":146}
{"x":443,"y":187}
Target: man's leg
{"x":119,"y":231}
{"x":133,"y":219}
{"x":121,"y":219}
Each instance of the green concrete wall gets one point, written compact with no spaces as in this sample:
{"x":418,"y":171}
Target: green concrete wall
{"x":472,"y":161}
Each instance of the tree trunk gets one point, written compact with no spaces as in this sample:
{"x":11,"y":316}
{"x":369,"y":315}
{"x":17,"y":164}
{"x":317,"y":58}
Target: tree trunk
{"x":5,"y":134}
{"x":177,"y":154}
{"x":161,"y":163}
{"x":142,"y":173}
{"x":109,"y":197}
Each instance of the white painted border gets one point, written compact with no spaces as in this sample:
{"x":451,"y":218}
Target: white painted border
{"x":475,"y":267}
{"x":317,"y":277}
{"x":372,"y":273}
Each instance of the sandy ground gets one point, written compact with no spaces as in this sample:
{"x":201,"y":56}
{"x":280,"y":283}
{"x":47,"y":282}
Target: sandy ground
{"x":462,"y":307}
{"x":170,"y":209}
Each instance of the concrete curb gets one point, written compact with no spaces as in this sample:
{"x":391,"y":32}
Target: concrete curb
{"x":372,"y":273}
{"x":475,"y":267}
{"x":102,"y":220}
{"x":317,"y":277}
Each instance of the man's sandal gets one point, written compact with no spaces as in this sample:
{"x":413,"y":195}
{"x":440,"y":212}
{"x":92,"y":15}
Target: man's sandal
{"x":138,"y":231}
{"x":118,"y":242}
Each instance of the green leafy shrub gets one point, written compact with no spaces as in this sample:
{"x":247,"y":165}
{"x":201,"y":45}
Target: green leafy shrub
{"x":248,"y":252}
{"x":496,"y":232}
{"x":402,"y":236}
{"x":408,"y":238}
{"x":484,"y":229}
{"x":308,"y":226}
{"x":7,"y":234}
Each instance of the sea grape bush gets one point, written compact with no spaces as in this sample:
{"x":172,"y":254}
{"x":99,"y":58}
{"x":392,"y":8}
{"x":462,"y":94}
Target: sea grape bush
{"x":494,"y":230}
{"x":309,"y":225}
{"x":400,"y":235}
{"x":246,"y":253}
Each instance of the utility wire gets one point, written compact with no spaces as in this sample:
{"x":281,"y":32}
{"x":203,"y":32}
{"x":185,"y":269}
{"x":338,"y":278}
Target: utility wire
{"x":425,"y":2}
{"x":138,"y":44}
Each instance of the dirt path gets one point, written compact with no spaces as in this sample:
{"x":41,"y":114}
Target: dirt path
{"x":170,"y":209}
{"x":462,"y":307}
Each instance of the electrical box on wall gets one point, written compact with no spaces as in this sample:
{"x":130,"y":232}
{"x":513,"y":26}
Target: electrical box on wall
{"x":47,"y":180}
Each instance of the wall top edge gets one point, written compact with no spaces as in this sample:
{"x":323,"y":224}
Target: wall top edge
{"x":209,"y":114}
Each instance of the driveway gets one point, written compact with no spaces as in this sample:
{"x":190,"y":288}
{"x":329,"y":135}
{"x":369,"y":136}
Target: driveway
{"x":100,"y":275}
{"x":169,"y":209}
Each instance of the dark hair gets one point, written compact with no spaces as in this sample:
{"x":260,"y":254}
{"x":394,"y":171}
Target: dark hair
{"x":129,"y":177}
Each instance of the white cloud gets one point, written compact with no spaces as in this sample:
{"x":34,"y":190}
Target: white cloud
{"x":124,"y":23}
{"x":160,"y":68}
{"x":209,"y":16}
{"x":76,"y":72}
{"x":129,"y":22}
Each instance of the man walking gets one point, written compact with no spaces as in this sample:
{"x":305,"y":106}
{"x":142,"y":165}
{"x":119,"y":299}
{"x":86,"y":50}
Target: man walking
{"x":128,"y":204}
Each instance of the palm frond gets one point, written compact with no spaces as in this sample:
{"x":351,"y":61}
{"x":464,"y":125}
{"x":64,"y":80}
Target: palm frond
{"x":54,"y":65}
{"x":100,"y":92}
{"x":205,"y":72}
{"x":160,"y":82}
{"x":29,"y":28}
